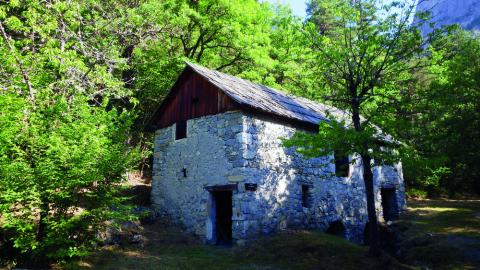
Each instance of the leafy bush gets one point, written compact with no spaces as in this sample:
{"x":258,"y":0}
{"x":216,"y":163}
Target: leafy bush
{"x":61,"y":164}
{"x":416,"y":193}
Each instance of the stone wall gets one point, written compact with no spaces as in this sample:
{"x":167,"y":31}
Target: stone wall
{"x":210,"y":155}
{"x":280,"y":174}
{"x":237,"y":148}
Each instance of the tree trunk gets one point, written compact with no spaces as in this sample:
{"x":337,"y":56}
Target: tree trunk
{"x":372,"y":214}
{"x":368,"y":180}
{"x":42,"y":222}
{"x":128,"y":75}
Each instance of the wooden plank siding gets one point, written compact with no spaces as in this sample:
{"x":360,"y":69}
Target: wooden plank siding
{"x":190,"y":98}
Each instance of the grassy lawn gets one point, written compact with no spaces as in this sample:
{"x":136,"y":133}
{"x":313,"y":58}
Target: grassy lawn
{"x":446,"y":217}
{"x":168,"y":248}
{"x":443,"y":234}
{"x":438,"y":234}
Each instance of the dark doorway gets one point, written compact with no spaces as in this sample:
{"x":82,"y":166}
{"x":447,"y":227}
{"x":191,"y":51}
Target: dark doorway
{"x":223,"y":217}
{"x":389,"y":204}
{"x":336,"y":228}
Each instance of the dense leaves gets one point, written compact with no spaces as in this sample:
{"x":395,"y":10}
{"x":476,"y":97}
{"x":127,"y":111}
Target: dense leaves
{"x":444,"y":121}
{"x":64,"y":149}
{"x":59,"y":172}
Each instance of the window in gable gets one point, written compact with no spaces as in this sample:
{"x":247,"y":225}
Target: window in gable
{"x":342,"y":164}
{"x":180,"y":130}
{"x":306,"y":196}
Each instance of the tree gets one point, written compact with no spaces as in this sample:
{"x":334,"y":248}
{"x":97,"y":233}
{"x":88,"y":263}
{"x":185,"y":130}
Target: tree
{"x":289,"y":56}
{"x":364,"y":63}
{"x":322,"y":14}
{"x":63,"y":151}
{"x":230,"y":36}
{"x":60,"y":169}
{"x":455,"y":93}
{"x":446,"y":113}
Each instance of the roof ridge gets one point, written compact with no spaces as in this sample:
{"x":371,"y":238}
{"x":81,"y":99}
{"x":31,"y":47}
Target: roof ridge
{"x":276,"y":91}
{"x":270,"y":100}
{"x":280,"y":103}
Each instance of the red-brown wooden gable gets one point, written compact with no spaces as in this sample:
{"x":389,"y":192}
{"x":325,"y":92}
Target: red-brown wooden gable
{"x":192,"y":97}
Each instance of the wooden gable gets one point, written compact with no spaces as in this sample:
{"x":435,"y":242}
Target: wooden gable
{"x":191,"y":97}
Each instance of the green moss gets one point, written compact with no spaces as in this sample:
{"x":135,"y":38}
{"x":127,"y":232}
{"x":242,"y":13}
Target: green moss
{"x":445,"y":217}
{"x":299,"y":250}
{"x":439,"y":235}
{"x":443,"y":234}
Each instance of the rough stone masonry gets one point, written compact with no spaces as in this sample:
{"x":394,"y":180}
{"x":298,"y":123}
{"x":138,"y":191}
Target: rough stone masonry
{"x":274,"y":188}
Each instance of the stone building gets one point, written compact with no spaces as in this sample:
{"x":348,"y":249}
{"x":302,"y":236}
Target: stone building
{"x":221,"y":172}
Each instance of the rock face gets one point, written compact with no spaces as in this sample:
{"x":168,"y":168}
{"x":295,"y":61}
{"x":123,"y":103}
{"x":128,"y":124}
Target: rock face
{"x":445,"y":12}
{"x":272,"y":187}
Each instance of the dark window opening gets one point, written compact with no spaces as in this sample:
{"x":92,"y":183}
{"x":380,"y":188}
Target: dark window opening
{"x":180,"y":130}
{"x":342,"y":165}
{"x":336,"y":228}
{"x":223,"y":217}
{"x":366,"y":234}
{"x":389,"y":204}
{"x":306,"y":196}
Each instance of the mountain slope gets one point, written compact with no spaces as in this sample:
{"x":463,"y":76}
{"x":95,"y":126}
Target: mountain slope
{"x":445,"y":12}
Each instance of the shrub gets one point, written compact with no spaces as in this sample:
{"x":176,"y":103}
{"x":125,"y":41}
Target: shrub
{"x":61,"y":165}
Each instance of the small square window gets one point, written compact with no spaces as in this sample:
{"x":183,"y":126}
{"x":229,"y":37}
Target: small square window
{"x":342,"y":164}
{"x":180,"y":130}
{"x":306,"y":196}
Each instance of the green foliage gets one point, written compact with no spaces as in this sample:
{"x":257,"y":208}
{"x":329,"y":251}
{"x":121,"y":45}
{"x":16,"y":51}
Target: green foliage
{"x":60,"y":167}
{"x":63,"y":146}
{"x":227,"y":35}
{"x":324,"y":15}
{"x":416,"y":193}
{"x":444,"y":125}
{"x":364,"y":60}
{"x":455,"y":109}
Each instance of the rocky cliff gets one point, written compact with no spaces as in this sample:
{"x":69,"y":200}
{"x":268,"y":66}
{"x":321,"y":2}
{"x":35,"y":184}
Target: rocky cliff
{"x":445,"y":12}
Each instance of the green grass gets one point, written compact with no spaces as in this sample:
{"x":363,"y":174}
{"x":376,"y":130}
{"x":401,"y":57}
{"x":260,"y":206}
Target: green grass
{"x":443,"y":234}
{"x":289,"y":250}
{"x":439,"y":234}
{"x":446,"y":217}
{"x":316,"y":250}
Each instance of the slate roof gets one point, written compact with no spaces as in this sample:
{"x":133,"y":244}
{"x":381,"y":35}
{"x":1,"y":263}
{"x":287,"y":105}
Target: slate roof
{"x":269,"y":100}
{"x":272,"y":101}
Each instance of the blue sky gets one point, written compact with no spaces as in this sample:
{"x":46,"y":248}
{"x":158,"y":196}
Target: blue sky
{"x":298,"y":6}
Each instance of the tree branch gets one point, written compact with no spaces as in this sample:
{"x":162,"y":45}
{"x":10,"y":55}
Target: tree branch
{"x":26,"y":78}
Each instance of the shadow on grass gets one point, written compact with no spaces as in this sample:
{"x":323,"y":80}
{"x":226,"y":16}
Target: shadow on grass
{"x":438,"y":235}
{"x":445,"y":217}
{"x":166,"y":249}
{"x":443,"y":234}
